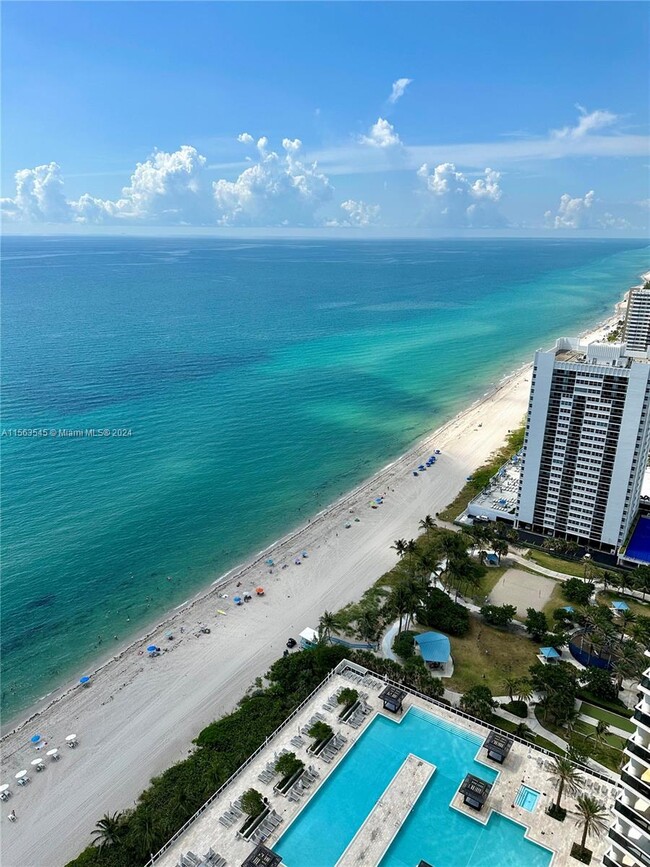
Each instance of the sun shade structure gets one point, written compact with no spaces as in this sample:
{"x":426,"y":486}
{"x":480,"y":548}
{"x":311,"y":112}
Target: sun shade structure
{"x":262,"y":857}
{"x":549,"y":653}
{"x":474,"y":791}
{"x":497,"y":746}
{"x":392,"y":698}
{"x":620,"y":607}
{"x":434,"y":647}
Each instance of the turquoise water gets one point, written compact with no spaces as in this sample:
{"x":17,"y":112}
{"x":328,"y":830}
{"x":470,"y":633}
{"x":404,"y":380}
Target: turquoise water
{"x":259,"y":382}
{"x":526,"y":798}
{"x":433,"y":830}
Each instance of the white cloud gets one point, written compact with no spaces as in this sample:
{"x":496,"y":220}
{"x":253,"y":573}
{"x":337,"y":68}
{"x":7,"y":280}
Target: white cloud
{"x":276,"y":191}
{"x":588,"y":122}
{"x":456,"y":202}
{"x":382,"y":135}
{"x":245,"y":138}
{"x":573,"y":213}
{"x":360,"y":213}
{"x":39,"y":197}
{"x":399,"y":87}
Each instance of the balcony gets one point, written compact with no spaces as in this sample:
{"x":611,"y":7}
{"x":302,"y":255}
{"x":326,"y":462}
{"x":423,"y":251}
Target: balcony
{"x":642,"y":752}
{"x":629,"y":846}
{"x":637,"y":784}
{"x":643,"y":718}
{"x":645,"y":681}
{"x":631,"y":815}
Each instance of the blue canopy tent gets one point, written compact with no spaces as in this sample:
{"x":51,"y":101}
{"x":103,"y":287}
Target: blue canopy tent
{"x":84,"y":680}
{"x":620,"y":607}
{"x":434,"y":647}
{"x":549,"y":654}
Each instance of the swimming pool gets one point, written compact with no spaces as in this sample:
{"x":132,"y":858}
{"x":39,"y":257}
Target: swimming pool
{"x":433,"y":830}
{"x":526,"y":798}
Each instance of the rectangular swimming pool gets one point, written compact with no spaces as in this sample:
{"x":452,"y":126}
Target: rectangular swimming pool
{"x":433,"y":830}
{"x":526,"y":798}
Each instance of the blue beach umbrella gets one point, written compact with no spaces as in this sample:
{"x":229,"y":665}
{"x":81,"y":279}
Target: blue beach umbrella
{"x":269,"y":562}
{"x":35,"y":739}
{"x":84,"y":680}
{"x":152,"y":648}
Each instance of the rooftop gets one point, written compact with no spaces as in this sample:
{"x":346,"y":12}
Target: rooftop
{"x":262,"y":857}
{"x":434,"y":647}
{"x":500,"y":495}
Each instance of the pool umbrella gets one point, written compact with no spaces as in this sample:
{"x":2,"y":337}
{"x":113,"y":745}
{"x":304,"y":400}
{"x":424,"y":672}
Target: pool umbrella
{"x":35,"y":739}
{"x":152,"y":648}
{"x":84,"y":680}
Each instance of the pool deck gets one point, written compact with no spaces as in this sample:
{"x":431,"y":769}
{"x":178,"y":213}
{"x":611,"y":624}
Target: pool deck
{"x":523,"y":764}
{"x":373,"y":838}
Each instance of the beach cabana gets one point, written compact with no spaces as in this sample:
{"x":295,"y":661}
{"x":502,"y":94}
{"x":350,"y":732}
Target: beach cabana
{"x":498,"y":746}
{"x":308,"y":638}
{"x":474,"y":791}
{"x":435,"y":648}
{"x":392,"y":698}
{"x":492,"y":560}
{"x":620,"y":607}
{"x":548,"y":655}
{"x":262,"y":857}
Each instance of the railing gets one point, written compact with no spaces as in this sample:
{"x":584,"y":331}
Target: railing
{"x":642,"y":752}
{"x":631,"y":815}
{"x":609,"y":862}
{"x":629,"y":846}
{"x":637,"y":784}
{"x":641,"y":717}
{"x":645,"y":681}
{"x":237,"y":773}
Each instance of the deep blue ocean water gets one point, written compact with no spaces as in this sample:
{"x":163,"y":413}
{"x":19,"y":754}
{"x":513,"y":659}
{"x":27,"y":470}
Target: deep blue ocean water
{"x":259,"y":382}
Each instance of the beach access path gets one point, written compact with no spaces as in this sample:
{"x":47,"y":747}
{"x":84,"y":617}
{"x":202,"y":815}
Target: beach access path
{"x":140,"y":714}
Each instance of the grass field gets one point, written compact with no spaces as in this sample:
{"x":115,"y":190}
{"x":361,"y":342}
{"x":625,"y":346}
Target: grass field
{"x":637,"y":606}
{"x":613,"y":741}
{"x":606,"y":716}
{"x":548,"y":561}
{"x":488,"y":582}
{"x":487,"y":655}
{"x":557,"y":600}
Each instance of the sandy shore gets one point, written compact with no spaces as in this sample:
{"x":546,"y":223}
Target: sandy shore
{"x":140,"y":714}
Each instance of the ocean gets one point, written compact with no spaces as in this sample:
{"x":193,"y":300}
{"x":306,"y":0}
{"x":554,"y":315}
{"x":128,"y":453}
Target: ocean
{"x":242,"y":386}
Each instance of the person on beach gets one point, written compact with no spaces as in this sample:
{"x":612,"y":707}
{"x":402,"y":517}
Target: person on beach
{"x":12,"y":816}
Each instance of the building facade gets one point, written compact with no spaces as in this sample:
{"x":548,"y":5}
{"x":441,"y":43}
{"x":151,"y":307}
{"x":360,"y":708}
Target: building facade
{"x":629,"y":836}
{"x":637,"y":320}
{"x":586,"y":444}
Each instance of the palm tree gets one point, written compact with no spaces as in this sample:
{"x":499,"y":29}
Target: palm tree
{"x":642,"y":580}
{"x":411,"y":547}
{"x":629,"y":663}
{"x":566,"y":776}
{"x":600,"y":733}
{"x":500,"y":548}
{"x":522,"y":731}
{"x":626,"y":617}
{"x":427,"y":523}
{"x":510,"y":684}
{"x":399,"y":545}
{"x":108,"y":830}
{"x":327,"y":623}
{"x":524,"y":690}
{"x":369,"y":625}
{"x":593,"y":817}
{"x":399,"y":602}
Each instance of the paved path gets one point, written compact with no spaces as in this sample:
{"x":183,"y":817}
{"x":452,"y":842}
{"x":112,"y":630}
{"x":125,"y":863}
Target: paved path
{"x":613,"y":730}
{"x":387,"y":816}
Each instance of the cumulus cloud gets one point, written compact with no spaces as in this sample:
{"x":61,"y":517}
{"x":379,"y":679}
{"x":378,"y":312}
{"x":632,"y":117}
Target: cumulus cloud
{"x":278,"y":190}
{"x":382,"y":135}
{"x":399,"y":87}
{"x":588,"y":122}
{"x":573,"y":213}
{"x":39,"y":197}
{"x":245,"y":138}
{"x":456,"y":201}
{"x":360,"y":213}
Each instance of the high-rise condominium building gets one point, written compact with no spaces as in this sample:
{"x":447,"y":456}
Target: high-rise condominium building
{"x":629,"y":836}
{"x":586,"y":444}
{"x":637,"y":320}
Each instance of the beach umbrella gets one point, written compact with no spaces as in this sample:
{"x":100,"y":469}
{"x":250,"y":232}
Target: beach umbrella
{"x":20,"y":775}
{"x":152,"y":648}
{"x":269,"y":562}
{"x":169,"y":635}
{"x":260,"y":591}
{"x":237,"y":600}
{"x":35,"y":739}
{"x":84,"y":680}
{"x":304,"y":553}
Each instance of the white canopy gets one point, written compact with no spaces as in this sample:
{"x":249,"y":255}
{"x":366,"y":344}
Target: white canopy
{"x":309,"y":635}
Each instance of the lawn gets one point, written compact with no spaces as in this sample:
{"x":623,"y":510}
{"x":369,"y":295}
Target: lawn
{"x":487,"y":655}
{"x":637,"y":606}
{"x":557,"y":600}
{"x":613,"y":741}
{"x":606,"y":754}
{"x":548,"y":561}
{"x":488,"y":583}
{"x":606,"y":716}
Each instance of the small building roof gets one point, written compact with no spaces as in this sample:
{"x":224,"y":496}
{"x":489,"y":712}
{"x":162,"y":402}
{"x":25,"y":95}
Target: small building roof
{"x":434,"y":647}
{"x":549,"y":652}
{"x":309,"y":634}
{"x":475,"y":788}
{"x":619,"y":605}
{"x":262,"y":857}
{"x":392,"y":693}
{"x":569,"y":608}
{"x":496,"y":742}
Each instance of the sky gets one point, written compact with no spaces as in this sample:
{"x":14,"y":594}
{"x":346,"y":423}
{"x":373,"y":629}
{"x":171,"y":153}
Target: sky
{"x":423,"y":118}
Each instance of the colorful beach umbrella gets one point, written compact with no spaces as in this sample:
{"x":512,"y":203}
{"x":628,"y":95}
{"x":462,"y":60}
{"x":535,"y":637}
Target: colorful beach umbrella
{"x":85,"y":679}
{"x":152,"y":648}
{"x":35,"y":739}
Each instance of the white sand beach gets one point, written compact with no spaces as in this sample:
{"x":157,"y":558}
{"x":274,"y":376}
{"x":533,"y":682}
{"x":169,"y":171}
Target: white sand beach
{"x":139,"y":715}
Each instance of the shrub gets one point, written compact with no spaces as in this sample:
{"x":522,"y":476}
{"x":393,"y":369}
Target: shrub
{"x":320,"y":731}
{"x":478,"y":702}
{"x":518,"y":708}
{"x":403,"y":645}
{"x":498,"y":615}
{"x":347,"y":697}
{"x":441,"y":612}
{"x":288,"y":764}
{"x":252,"y":802}
{"x":578,"y":591}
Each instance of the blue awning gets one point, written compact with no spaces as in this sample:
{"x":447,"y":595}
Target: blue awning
{"x":549,"y":652}
{"x":621,"y":606}
{"x":434,"y":647}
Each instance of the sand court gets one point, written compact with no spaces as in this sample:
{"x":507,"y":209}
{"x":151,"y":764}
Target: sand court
{"x":523,"y":589}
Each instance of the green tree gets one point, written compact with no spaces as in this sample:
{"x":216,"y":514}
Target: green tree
{"x":347,"y":696}
{"x":320,"y":731}
{"x":565,"y":775}
{"x":399,"y":545}
{"x":400,"y":602}
{"x":369,"y":625}
{"x":288,"y":764}
{"x":524,"y":689}
{"x":593,"y":818}
{"x":641,"y":580}
{"x":252,"y":802}
{"x":478,"y":702}
{"x":498,"y":615}
{"x":536,"y":624}
{"x":511,"y":684}
{"x":599,"y":683}
{"x":577,"y":591}
{"x":108,"y":831}
{"x":600,"y":732}
{"x":427,"y":524}
{"x":328,"y":623}
{"x":500,"y":548}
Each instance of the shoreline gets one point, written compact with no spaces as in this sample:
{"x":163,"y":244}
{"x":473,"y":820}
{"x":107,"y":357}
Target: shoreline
{"x":23,"y":718}
{"x":140,"y":715}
